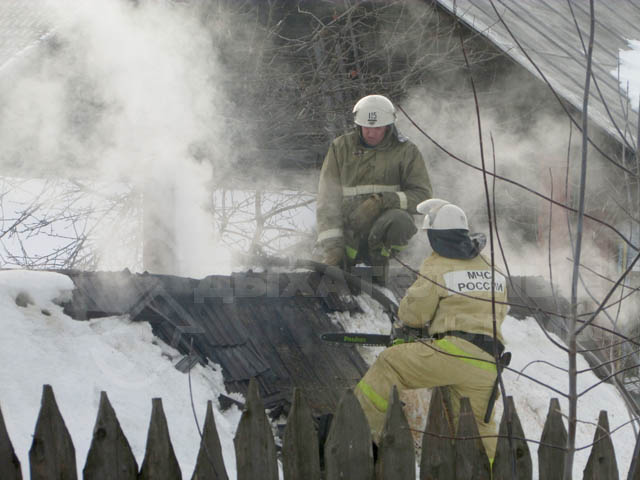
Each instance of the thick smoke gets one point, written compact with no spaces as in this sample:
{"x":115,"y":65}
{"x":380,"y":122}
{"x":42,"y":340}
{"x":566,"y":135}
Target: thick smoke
{"x":127,"y":92}
{"x":535,"y":146}
{"x":137,"y":92}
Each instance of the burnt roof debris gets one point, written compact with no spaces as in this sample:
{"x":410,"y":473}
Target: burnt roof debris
{"x":268,"y":325}
{"x":263,"y":325}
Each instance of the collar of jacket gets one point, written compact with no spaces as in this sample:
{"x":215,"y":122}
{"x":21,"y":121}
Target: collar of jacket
{"x":456,"y":243}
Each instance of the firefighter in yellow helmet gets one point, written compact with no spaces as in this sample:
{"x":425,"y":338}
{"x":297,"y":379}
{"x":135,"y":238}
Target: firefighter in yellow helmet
{"x":452,"y":299}
{"x":371,"y":181}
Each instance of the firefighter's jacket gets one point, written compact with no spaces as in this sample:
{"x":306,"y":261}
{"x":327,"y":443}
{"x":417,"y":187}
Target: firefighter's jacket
{"x":351,"y":172}
{"x":448,"y":298}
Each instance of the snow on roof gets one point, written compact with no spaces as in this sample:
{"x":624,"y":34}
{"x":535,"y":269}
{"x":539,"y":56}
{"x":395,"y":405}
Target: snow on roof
{"x":23,"y":24}
{"x":546,"y":30}
{"x":630,"y":72}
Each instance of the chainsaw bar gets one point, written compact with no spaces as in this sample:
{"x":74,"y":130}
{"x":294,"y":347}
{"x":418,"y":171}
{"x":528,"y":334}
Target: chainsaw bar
{"x":354,"y":338}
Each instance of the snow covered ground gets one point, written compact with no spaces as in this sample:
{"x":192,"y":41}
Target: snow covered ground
{"x":40,"y":345}
{"x":527,"y":343}
{"x":80,"y":359}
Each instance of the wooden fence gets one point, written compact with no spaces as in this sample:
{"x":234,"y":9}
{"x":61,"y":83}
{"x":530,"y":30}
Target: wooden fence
{"x":347,"y":450}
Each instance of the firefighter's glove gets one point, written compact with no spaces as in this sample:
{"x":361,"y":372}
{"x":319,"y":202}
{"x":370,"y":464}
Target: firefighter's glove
{"x":361,"y":219}
{"x":333,"y":253}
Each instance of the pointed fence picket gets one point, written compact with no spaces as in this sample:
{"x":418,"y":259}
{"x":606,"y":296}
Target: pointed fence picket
{"x":513,"y":459}
{"x":471,"y":457}
{"x":602,"y":460}
{"x":255,"y":447}
{"x":52,"y":454}
{"x":9,"y":463}
{"x":210,"y":465}
{"x":347,"y":451}
{"x":396,"y":457}
{"x":551,"y":454}
{"x":110,"y":456}
{"x":634,"y":469}
{"x":160,"y":462}
{"x":300,"y":442}
{"x":438,"y":453}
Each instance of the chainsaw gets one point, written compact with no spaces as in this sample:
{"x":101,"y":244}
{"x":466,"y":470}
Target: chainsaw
{"x":351,"y":338}
{"x":401,"y":335}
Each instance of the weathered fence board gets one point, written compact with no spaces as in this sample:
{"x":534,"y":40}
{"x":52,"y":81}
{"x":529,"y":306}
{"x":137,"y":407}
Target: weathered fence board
{"x":52,"y":455}
{"x":255,"y":448}
{"x":110,"y":456}
{"x":348,"y":452}
{"x":9,"y":463}
{"x":513,"y":458}
{"x":634,"y":468}
{"x":551,"y":453}
{"x":472,"y":462}
{"x":396,"y":453}
{"x":438,"y":451}
{"x":602,"y":463}
{"x":300,"y":450}
{"x":160,"y":462}
{"x":210,"y":465}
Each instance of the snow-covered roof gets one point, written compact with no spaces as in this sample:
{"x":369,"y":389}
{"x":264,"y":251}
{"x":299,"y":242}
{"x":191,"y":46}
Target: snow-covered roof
{"x":23,"y":24}
{"x":547,"y":31}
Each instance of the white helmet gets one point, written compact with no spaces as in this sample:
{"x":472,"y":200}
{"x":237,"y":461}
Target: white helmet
{"x":442,"y":215}
{"x":374,"y":111}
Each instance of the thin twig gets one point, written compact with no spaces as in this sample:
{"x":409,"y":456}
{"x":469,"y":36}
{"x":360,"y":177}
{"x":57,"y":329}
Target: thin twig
{"x":573,"y":331}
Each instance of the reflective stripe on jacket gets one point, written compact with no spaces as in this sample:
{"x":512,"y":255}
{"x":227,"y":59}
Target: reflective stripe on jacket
{"x":351,"y":172}
{"x":453,"y":304}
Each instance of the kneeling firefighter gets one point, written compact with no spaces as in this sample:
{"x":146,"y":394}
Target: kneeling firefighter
{"x":371,"y":180}
{"x":452,"y":299}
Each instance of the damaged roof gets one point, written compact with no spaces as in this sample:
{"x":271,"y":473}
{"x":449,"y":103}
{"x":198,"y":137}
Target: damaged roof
{"x":262,"y":325}
{"x":268,"y":325}
{"x":553,"y":35}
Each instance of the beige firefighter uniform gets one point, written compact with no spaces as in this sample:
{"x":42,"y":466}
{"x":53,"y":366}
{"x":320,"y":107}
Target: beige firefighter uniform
{"x":423,"y":364}
{"x":351,"y":173}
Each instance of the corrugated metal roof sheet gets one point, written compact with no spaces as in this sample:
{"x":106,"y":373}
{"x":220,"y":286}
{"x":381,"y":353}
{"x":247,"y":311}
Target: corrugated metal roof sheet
{"x":553,"y":40}
{"x":251,"y":324}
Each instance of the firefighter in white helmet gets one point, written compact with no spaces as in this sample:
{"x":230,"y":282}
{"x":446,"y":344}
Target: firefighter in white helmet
{"x":371,"y":181}
{"x":450,"y":303}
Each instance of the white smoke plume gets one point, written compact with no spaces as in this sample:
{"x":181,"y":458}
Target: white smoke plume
{"x":534,"y":150}
{"x":126,"y":92}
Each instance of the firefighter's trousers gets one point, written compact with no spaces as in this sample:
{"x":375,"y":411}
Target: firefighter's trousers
{"x":423,"y":365}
